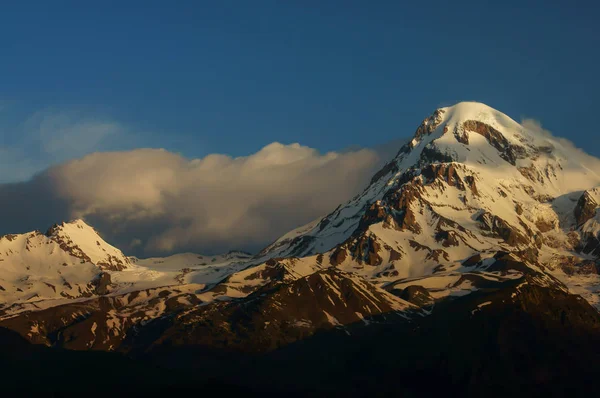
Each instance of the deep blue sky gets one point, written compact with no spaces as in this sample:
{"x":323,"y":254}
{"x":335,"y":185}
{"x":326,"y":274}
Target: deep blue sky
{"x":199,"y":77}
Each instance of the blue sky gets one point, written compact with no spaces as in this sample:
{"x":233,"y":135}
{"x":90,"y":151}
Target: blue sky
{"x":199,"y":77}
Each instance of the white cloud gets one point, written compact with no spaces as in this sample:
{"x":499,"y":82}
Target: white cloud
{"x":152,"y":201}
{"x":211,"y":204}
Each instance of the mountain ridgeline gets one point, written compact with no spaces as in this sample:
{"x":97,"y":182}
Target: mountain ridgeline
{"x":471,"y":259}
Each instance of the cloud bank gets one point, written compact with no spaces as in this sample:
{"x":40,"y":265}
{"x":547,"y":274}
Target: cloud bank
{"x":152,"y":201}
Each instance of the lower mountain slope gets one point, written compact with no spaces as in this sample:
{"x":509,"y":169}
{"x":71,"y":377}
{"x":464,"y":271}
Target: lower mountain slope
{"x":521,"y":339}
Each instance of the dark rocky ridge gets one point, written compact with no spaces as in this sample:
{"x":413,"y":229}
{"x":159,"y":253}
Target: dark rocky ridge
{"x":541,"y":341}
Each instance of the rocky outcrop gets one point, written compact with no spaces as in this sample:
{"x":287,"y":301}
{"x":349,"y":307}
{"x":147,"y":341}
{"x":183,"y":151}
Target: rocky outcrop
{"x":338,"y":256}
{"x":590,"y":244}
{"x":389,"y":168}
{"x":366,"y":250}
{"x":585,"y":209}
{"x":416,"y":295}
{"x":507,"y":151}
{"x":429,"y":125}
{"x":498,"y":227}
{"x":431,"y":154}
{"x":102,"y":284}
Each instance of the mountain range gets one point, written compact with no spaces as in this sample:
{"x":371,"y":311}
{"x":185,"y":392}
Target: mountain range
{"x":471,"y":259}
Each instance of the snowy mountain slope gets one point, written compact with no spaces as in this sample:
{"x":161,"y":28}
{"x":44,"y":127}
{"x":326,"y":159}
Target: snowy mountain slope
{"x":180,"y":261}
{"x":471,"y":180}
{"x":184,"y":268}
{"x":72,"y":262}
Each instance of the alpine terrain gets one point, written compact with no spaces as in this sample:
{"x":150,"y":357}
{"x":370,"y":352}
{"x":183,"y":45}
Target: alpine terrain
{"x":470,"y":264}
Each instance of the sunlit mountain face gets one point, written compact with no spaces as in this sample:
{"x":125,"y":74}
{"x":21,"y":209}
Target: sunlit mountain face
{"x":470,"y":259}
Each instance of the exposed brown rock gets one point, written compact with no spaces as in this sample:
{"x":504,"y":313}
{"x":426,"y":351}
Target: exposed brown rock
{"x":9,"y":237}
{"x":431,"y":154}
{"x":429,"y":125}
{"x":472,"y":261}
{"x":461,"y":136}
{"x":508,"y":151}
{"x":498,"y":227}
{"x":494,"y":137}
{"x":447,"y":238}
{"x":531,"y":173}
{"x":436,"y":254}
{"x":574,"y":265}
{"x":519,"y":208}
{"x":395,"y":255}
{"x":585,"y":209}
{"x":415,"y":294}
{"x":544,"y":225}
{"x":445,"y":172}
{"x":285,"y":313}
{"x":470,"y":182}
{"x":338,"y":256}
{"x":366,"y":250}
{"x":101,"y":283}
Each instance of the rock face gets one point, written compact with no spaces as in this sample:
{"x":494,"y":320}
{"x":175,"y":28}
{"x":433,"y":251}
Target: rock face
{"x":586,"y":208}
{"x":417,"y":295}
{"x":478,"y":232}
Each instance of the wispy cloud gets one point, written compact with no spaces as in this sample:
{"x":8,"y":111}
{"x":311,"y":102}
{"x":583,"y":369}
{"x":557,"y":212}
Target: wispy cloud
{"x":49,"y":137}
{"x":582,"y":156}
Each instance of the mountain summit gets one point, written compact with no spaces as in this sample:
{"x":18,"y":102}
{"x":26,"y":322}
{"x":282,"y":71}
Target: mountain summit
{"x":471,"y":181}
{"x":82,"y":241}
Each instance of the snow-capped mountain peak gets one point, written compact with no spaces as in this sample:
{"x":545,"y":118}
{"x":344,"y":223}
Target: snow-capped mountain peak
{"x":82,"y":241}
{"x":471,"y":180}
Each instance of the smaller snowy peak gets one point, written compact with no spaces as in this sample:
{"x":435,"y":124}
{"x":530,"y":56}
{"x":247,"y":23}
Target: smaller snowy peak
{"x":82,"y":241}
